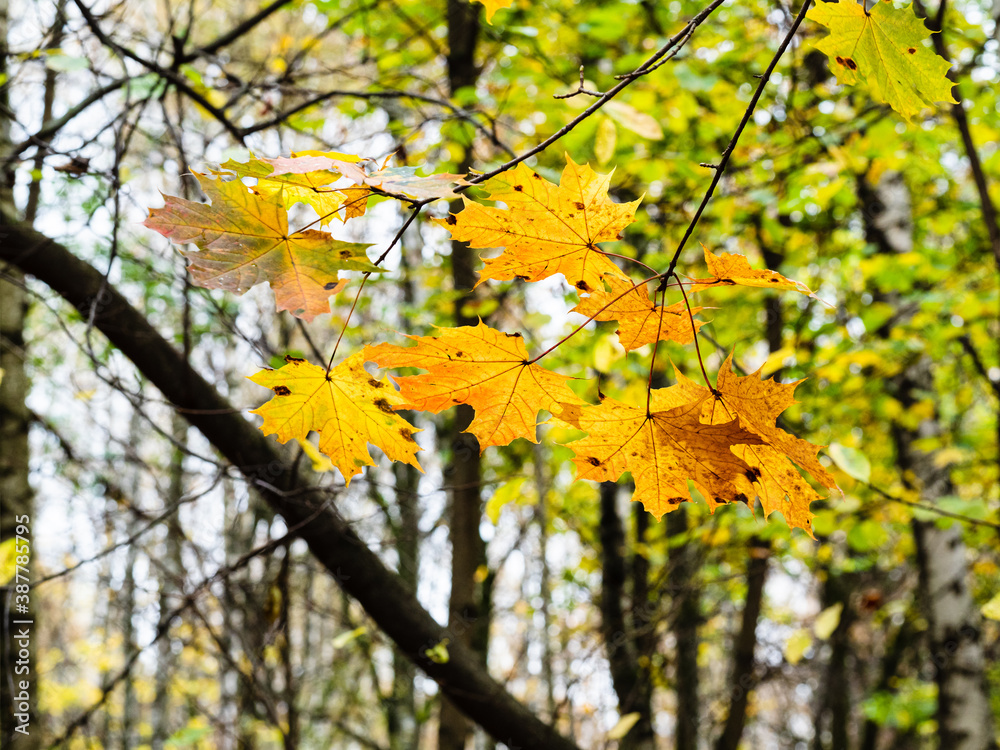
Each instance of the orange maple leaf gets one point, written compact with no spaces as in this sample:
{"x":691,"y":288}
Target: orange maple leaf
{"x":348,"y":408}
{"x":663,"y":449}
{"x":546,"y":229}
{"x":729,"y":270}
{"x":640,"y":321}
{"x":482,"y":367}
{"x":757,"y":403}
{"x":244,"y":240}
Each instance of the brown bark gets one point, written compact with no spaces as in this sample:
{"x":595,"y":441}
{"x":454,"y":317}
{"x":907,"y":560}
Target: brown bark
{"x":743,"y":672}
{"x":468,"y":616}
{"x":626,"y":639}
{"x":687,"y":616}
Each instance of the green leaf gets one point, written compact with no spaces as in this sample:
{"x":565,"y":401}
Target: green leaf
{"x":827,"y":621}
{"x":504,"y":494}
{"x":992,"y":608}
{"x":187,"y":736}
{"x":885,"y":48}
{"x":65,"y":63}
{"x":867,"y":536}
{"x":797,"y":645}
{"x":346,"y":637}
{"x":851,"y":461}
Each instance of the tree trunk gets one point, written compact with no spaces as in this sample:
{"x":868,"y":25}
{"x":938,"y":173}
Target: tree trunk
{"x":630,"y":684}
{"x":964,"y":719}
{"x":743,"y":676}
{"x":468,"y":618}
{"x":687,"y":616}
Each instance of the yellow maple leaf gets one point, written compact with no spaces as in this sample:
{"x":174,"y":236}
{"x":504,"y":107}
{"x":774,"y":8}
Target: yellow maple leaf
{"x":885,"y":48}
{"x":492,"y":6}
{"x":546,"y":229}
{"x":244,"y":240}
{"x":348,"y":408}
{"x":663,"y":449}
{"x":482,"y":367}
{"x":757,"y":403}
{"x":732,"y":269}
{"x":640,"y":321}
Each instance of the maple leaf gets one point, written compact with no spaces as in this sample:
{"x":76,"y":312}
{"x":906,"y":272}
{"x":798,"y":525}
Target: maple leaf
{"x":546,"y":229}
{"x":757,"y":403}
{"x":663,"y":449}
{"x":244,"y":241}
{"x":305,"y":179}
{"x":885,"y":48}
{"x":349,"y":409}
{"x":492,"y":6}
{"x":482,"y":367}
{"x":640,"y":321}
{"x":733,"y":269}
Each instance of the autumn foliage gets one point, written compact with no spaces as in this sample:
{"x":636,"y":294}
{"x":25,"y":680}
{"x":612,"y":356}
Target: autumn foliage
{"x":723,"y":438}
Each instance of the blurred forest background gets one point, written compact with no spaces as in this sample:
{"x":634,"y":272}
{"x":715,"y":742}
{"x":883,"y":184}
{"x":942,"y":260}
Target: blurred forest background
{"x":175,"y":608}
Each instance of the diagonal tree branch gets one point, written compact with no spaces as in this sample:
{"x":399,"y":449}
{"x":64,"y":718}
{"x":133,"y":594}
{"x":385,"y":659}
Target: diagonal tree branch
{"x":358,"y":570}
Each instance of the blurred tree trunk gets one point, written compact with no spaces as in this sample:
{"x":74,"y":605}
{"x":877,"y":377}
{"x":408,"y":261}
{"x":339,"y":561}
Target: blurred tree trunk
{"x":833,"y":711}
{"x":965,"y":721}
{"x":403,"y":725}
{"x":687,"y":616}
{"x":743,"y":676}
{"x":629,"y":679}
{"x":468,"y":610}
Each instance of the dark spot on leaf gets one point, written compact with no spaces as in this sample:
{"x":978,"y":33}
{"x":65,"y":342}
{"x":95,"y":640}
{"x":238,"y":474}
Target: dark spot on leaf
{"x":407,"y":434}
{"x":719,"y":500}
{"x":536,"y":175}
{"x":519,"y":189}
{"x":593,"y":461}
{"x":456,"y":401}
{"x":579,"y":206}
{"x":383,"y":405}
{"x":911,"y":50}
{"x":281,"y":390}
{"x":753,"y":473}
{"x":330,"y":285}
{"x":840,"y":60}
{"x":773,"y":281}
{"x":290,"y":358}
{"x":513,"y":335}
{"x":850,"y":64}
{"x":375,"y":384}
{"x":675,"y":500}
{"x":583,"y":286}
{"x":459,"y":354}
{"x":523,"y":278}
{"x":451,"y":220}
{"x":345,"y":254}
{"x":741,"y":498}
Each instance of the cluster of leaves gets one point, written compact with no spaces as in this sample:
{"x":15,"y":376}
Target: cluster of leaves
{"x":723,"y":439}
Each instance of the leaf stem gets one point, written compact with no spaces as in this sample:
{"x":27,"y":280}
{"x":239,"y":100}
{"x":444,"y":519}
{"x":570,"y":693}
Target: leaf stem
{"x":694,"y":330}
